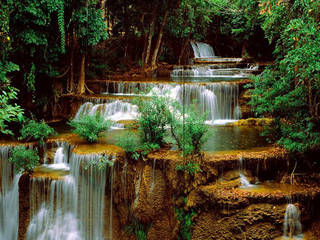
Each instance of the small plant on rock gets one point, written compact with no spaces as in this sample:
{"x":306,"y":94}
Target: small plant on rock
{"x":24,"y":159}
{"x":90,"y":127}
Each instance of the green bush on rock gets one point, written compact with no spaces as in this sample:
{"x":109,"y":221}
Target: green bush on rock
{"x":153,"y":119}
{"x":34,"y":131}
{"x":190,"y":132}
{"x":24,"y":159}
{"x":90,"y":127}
{"x":130,"y":143}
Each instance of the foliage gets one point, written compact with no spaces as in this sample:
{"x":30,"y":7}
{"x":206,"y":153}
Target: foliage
{"x":34,"y":131}
{"x":190,"y":167}
{"x":139,"y":229}
{"x":102,"y":164}
{"x":185,"y":219}
{"x":130,"y":143}
{"x":24,"y":159}
{"x":153,"y":118}
{"x":190,"y":132}
{"x":90,"y":127}
{"x":9,"y":111}
{"x":289,"y":90}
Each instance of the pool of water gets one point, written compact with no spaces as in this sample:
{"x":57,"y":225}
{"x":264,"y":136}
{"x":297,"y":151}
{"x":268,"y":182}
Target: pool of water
{"x":222,"y":138}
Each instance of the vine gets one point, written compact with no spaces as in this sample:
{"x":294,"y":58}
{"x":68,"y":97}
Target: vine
{"x":61,"y":26}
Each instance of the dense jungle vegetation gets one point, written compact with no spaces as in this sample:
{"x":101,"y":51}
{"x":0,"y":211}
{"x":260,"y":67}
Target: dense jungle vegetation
{"x":50,"y":47}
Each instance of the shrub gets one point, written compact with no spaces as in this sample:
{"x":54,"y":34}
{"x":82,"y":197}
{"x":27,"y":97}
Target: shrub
{"x":137,"y":228}
{"x":24,"y":159}
{"x":189,"y":133}
{"x":34,"y":131}
{"x":190,"y":167}
{"x":130,"y":143}
{"x":90,"y":127}
{"x":185,"y":219}
{"x":152,"y":119}
{"x":101,"y":164}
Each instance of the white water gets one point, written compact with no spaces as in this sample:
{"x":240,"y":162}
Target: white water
{"x":56,"y":217}
{"x":115,"y":111}
{"x":137,"y":190}
{"x":202,"y":50}
{"x":9,"y":198}
{"x":212,"y":71}
{"x":292,"y":226}
{"x":243,"y":179}
{"x":218,"y":100}
{"x":71,"y":208}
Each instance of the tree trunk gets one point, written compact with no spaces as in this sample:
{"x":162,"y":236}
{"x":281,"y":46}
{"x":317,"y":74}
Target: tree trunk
{"x":81,"y":88}
{"x":156,"y":50}
{"x":151,"y":29}
{"x":244,"y":52}
{"x":71,"y":78}
{"x":145,"y":37}
{"x":183,"y":48}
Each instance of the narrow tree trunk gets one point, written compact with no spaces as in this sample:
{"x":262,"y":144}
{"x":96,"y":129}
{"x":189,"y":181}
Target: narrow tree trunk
{"x":81,"y":88}
{"x":156,"y":50}
{"x":71,"y":78}
{"x":145,"y":37}
{"x":151,"y":29}
{"x":184,"y":46}
{"x":244,"y":52}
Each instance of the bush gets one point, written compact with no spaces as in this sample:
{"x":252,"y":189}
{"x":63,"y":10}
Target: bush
{"x":130,"y":143}
{"x":190,"y":133}
{"x":185,"y":219}
{"x":101,"y":164}
{"x":34,"y":131}
{"x":190,"y":167}
{"x":24,"y":159}
{"x":153,"y":119}
{"x":90,"y":127}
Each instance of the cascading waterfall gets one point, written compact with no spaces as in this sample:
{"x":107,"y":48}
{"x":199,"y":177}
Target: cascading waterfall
{"x":218,"y":100}
{"x":77,"y":199}
{"x":292,"y":226}
{"x":9,"y":198}
{"x":211,"y":72}
{"x":243,"y":180}
{"x":202,"y":50}
{"x":53,"y":203}
{"x":115,"y":111}
{"x":91,"y":184}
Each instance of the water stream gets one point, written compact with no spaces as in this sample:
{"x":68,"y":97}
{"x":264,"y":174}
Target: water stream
{"x":9,"y":198}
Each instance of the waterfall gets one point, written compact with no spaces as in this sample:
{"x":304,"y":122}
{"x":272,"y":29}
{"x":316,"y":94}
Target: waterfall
{"x":292,"y":226}
{"x":212,"y":71}
{"x":71,"y":207}
{"x":54,"y":209}
{"x":153,"y":175}
{"x":115,"y":111}
{"x":243,"y":180}
{"x":202,"y":50}
{"x":9,"y":198}
{"x":218,"y":100}
{"x":137,"y":189}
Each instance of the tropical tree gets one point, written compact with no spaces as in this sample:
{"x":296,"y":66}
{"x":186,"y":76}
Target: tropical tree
{"x":289,"y":90}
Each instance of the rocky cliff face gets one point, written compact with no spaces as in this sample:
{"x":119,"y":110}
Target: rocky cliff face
{"x":146,"y":195}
